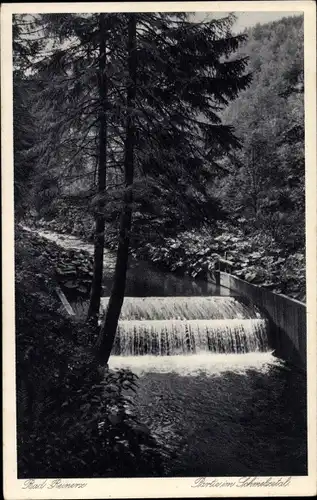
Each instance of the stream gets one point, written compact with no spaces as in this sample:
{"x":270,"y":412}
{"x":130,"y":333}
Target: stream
{"x":223,"y":411}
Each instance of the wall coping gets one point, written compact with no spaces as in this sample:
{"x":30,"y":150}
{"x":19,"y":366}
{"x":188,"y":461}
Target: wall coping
{"x":298,"y":302}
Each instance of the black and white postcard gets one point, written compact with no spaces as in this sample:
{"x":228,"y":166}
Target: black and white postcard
{"x":159,"y":249}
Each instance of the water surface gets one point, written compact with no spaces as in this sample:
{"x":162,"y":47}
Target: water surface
{"x":223,"y":414}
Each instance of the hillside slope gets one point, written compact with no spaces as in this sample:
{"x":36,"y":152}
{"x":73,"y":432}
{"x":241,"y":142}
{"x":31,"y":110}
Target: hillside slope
{"x":266,"y":183}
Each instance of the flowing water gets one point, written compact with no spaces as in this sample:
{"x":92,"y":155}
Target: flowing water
{"x":187,"y":325}
{"x":143,"y":279}
{"x":209,"y":388}
{"x":223,"y":414}
{"x":152,"y":308}
{"x":161,"y":337}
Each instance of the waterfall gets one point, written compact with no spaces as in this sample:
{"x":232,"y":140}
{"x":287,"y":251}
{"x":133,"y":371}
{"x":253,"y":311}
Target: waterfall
{"x":169,"y":326}
{"x":194,"y":307}
{"x":170,"y":337}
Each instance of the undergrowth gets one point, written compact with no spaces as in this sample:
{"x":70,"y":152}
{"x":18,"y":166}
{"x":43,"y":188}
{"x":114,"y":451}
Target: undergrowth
{"x":73,"y":420}
{"x":257,"y":256}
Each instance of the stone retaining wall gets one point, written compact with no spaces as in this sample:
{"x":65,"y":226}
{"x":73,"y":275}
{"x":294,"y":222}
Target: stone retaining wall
{"x":287,"y":317}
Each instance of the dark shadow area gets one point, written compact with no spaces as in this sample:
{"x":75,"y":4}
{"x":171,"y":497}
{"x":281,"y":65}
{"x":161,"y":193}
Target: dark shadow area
{"x":230,"y":425}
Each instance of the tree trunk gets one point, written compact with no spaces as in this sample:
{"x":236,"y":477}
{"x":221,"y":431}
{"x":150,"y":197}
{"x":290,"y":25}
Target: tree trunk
{"x":108,"y":330}
{"x":96,"y":286}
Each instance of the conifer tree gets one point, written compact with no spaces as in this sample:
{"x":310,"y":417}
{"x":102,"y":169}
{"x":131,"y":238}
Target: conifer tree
{"x":74,"y":110}
{"x":166,"y":79}
{"x":174,"y":90}
{"x":24,"y":136}
{"x":25,"y":130}
{"x":96,"y":286}
{"x":109,"y":328}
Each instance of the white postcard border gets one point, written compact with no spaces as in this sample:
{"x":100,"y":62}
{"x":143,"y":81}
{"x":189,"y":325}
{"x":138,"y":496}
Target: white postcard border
{"x":166,"y":487}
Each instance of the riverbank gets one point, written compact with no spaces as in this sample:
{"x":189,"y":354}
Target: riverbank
{"x":256,"y":258}
{"x":64,"y":402}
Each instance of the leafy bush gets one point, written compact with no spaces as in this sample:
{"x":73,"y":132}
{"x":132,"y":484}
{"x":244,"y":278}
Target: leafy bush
{"x":64,"y":215}
{"x":256,"y":257}
{"x":83,"y":425}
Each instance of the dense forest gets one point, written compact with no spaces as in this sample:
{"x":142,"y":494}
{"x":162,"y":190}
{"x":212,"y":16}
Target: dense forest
{"x":163,"y":140}
{"x":254,"y":199}
{"x":259,"y":188}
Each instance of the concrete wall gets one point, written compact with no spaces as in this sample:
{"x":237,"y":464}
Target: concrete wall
{"x":287,"y":317}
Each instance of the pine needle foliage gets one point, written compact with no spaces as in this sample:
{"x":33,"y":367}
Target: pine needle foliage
{"x":183,"y":76}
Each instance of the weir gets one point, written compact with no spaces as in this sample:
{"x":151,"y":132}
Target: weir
{"x":287,"y":318}
{"x":199,"y":307}
{"x":169,"y":326}
{"x":170,"y":337}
